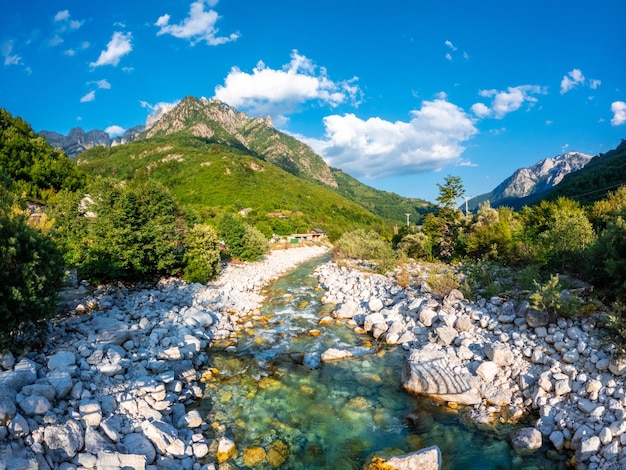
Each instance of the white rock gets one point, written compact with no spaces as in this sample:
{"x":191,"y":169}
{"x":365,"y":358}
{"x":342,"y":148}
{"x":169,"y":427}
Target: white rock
{"x":487,"y":371}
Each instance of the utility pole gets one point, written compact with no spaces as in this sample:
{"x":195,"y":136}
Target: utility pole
{"x":407,"y":220}
{"x":466,"y":210}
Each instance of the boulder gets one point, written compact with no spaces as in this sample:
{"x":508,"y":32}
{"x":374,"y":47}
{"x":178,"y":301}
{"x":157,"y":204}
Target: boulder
{"x":425,"y":459}
{"x":63,"y":441}
{"x":527,"y":440}
{"x":499,"y":353}
{"x":139,"y":444}
{"x":333,"y":354}
{"x":427,"y":372}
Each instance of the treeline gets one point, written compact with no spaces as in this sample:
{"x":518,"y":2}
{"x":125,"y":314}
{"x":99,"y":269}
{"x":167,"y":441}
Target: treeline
{"x":542,"y":241}
{"x":54,"y":217}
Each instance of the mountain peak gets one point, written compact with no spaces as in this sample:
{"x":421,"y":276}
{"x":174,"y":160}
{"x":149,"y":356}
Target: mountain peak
{"x":533,"y":181}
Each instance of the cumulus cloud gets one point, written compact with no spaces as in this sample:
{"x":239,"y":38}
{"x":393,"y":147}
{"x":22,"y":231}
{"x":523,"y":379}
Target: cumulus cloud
{"x":157,"y":111}
{"x":63,"y":15}
{"x":594,"y":83}
{"x":619,"y":113}
{"x":280,"y":92}
{"x":114,"y":131}
{"x":505,"y":102}
{"x":376,"y":148}
{"x":118,"y":46}
{"x":573,"y":78}
{"x":88,"y":97}
{"x":198,"y":26}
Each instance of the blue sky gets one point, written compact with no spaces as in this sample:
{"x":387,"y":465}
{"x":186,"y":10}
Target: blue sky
{"x":398,"y":93}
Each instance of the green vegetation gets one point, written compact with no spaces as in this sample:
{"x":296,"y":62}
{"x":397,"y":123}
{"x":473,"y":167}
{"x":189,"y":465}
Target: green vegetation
{"x":202,"y":254}
{"x":242,"y":241}
{"x":212,"y":179}
{"x":35,"y":169}
{"x":382,"y":203}
{"x":31,"y":273}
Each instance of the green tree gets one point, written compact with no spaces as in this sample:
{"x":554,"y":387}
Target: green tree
{"x":449,"y":193}
{"x":202,"y":254}
{"x":31,"y":273}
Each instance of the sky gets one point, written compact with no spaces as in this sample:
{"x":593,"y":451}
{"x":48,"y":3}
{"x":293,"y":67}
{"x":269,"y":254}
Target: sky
{"x":398,"y":94}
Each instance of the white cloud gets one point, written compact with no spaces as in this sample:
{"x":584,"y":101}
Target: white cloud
{"x":63,"y":15}
{"x":280,"y":92}
{"x":450,"y":45}
{"x":88,"y":97}
{"x":157,"y":111}
{"x":70,"y":52}
{"x":55,"y":41}
{"x":102,"y":84}
{"x":198,"y":26}
{"x":7,"y":54}
{"x":114,"y":131}
{"x":573,"y":78}
{"x":449,"y":56}
{"x":118,"y":46}
{"x":505,"y":102}
{"x":375,"y":148}
{"x":619,"y":113}
{"x":594,"y":83}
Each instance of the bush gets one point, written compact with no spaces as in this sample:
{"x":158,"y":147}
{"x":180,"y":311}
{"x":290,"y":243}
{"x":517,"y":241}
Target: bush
{"x":551,"y":298}
{"x":366,"y":245}
{"x":31,"y":273}
{"x":122,"y":231}
{"x":415,"y":245}
{"x":255,"y":244}
{"x":242,"y":241}
{"x":607,"y":259}
{"x":202,"y":254}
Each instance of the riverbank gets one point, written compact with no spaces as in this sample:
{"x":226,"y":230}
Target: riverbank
{"x":110,"y":388}
{"x":497,"y":359}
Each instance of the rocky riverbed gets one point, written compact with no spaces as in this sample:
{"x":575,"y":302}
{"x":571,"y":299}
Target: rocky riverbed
{"x":499,"y":358}
{"x":115,"y":385}
{"x":111,"y":387}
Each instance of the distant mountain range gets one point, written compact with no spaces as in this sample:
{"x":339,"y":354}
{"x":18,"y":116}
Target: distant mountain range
{"x":77,"y":141}
{"x":527,"y":185}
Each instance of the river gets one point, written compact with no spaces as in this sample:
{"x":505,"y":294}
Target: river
{"x":283,"y":409}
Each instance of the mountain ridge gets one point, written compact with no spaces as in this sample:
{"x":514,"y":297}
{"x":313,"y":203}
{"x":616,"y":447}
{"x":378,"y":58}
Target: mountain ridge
{"x":528,"y":184}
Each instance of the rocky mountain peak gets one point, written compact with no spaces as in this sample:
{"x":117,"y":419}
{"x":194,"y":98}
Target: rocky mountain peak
{"x":534,"y":180}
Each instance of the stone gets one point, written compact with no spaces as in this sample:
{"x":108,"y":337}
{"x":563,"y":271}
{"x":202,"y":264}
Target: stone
{"x":526,"y":441}
{"x":375,"y":304}
{"x":557,"y":439}
{"x":254,"y":456}
{"x":427,"y":372}
{"x":487,"y":371}
{"x":191,"y":420}
{"x":24,"y":373}
{"x":424,"y":459}
{"x":536,"y":318}
{"x":589,"y":447}
{"x":62,"y":360}
{"x":346,"y":310}
{"x":114,"y":460}
{"x":7,"y":409}
{"x":562,"y":387}
{"x":617,"y":366}
{"x":225,"y":449}
{"x":139,"y":444}
{"x":464,"y":323}
{"x":277,"y":453}
{"x":18,"y":426}
{"x":91,"y":413}
{"x":372,"y":319}
{"x":163,"y":436}
{"x":61,"y":381}
{"x":499,"y":353}
{"x":427,"y":315}
{"x":35,"y":405}
{"x":333,"y":354}
{"x":445,"y":335}
{"x":96,"y":443}
{"x":63,"y":441}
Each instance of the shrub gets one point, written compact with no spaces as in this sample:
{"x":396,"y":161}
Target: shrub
{"x":202,"y":254}
{"x":607,"y":259}
{"x":122,"y":231}
{"x":255,"y":244}
{"x":415,"y":245}
{"x":242,"y":241}
{"x":550,"y":297}
{"x":31,"y":273}
{"x":366,"y":245}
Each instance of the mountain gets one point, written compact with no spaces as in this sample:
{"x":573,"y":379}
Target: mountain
{"x":605,"y":172}
{"x":210,"y":178}
{"x":529,"y":184}
{"x":218,"y":122}
{"x":77,"y":141}
{"x":382,"y":203}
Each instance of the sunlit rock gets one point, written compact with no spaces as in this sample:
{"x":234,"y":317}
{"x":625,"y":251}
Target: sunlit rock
{"x":254,"y":456}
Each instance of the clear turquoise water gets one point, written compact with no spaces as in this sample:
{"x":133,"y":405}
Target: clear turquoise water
{"x":340,"y":414}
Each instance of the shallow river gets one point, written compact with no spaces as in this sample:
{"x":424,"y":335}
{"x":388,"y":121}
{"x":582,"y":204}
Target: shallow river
{"x":285,"y":410}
